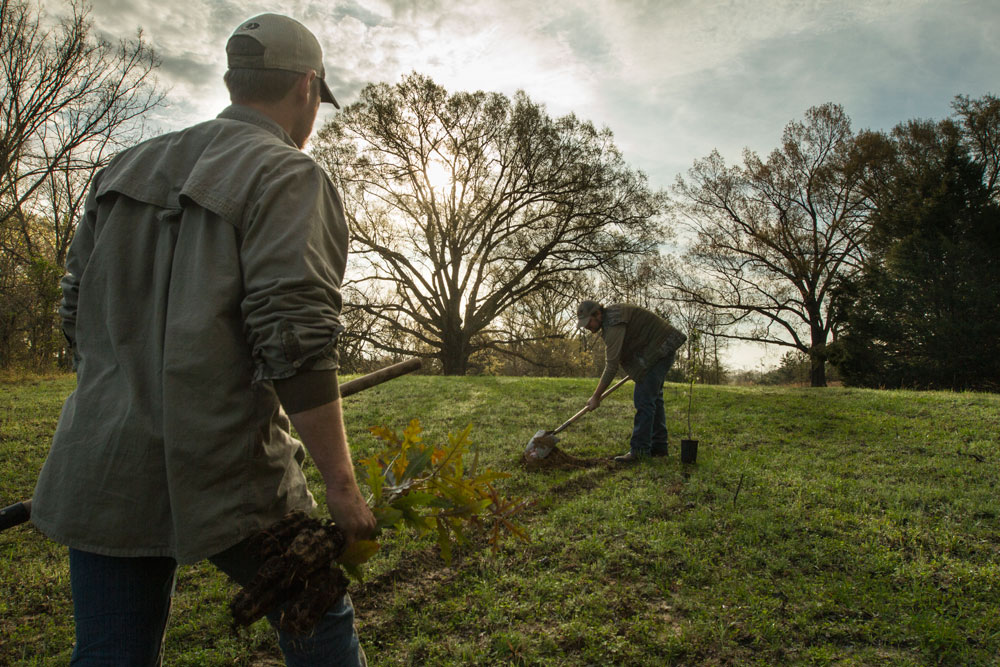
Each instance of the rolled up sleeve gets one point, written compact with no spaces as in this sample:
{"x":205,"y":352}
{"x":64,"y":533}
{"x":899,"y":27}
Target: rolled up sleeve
{"x":614,"y":338}
{"x":293,"y":254}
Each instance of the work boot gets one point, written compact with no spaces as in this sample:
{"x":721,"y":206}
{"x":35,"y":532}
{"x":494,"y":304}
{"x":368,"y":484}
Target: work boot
{"x":659,"y":448}
{"x":627,"y":457}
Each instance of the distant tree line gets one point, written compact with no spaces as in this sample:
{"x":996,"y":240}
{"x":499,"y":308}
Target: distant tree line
{"x":479,"y":221}
{"x":873,"y":251}
{"x":923,"y":311}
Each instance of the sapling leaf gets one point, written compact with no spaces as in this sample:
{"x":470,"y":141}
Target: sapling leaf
{"x":441,"y":503}
{"x":390,"y":477}
{"x":425,"y":488}
{"x":515,"y":530}
{"x":414,"y":520}
{"x":399,"y":466}
{"x":456,"y":528}
{"x":384,"y":433}
{"x":414,"y":498}
{"x":490,"y":476}
{"x":354,"y":572}
{"x":411,"y":434}
{"x":418,"y":464}
{"x":386,"y":517}
{"x":358,"y":552}
{"x":373,"y":476}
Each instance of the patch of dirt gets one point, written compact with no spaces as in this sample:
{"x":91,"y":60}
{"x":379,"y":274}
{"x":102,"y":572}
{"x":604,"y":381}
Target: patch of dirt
{"x":419,"y":575}
{"x":560,"y":460}
{"x":418,"y":579}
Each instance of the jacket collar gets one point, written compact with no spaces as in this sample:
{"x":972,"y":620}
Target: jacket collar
{"x":254,"y":117}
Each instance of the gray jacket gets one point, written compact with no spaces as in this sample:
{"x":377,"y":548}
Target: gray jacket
{"x":207,"y":263}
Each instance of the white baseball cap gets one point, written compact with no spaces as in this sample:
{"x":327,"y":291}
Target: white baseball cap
{"x":273,"y":41}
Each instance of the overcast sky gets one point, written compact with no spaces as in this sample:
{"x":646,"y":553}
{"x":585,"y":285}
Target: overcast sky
{"x":673,"y":79}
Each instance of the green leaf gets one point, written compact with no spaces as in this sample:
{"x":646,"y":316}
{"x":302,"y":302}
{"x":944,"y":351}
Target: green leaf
{"x":358,"y":552}
{"x":411,"y":434}
{"x":415,"y":498}
{"x":489,"y":476}
{"x":375,"y":479}
{"x":418,"y":463}
{"x":386,"y":517}
{"x":424,"y":488}
{"x":383,"y":433}
{"x":415,"y":520}
{"x":354,"y":572}
{"x":442,"y":503}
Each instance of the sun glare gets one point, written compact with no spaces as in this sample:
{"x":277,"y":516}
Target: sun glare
{"x":438,"y":175}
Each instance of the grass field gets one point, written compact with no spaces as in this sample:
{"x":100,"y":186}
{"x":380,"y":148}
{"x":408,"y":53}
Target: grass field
{"x":866,"y":531}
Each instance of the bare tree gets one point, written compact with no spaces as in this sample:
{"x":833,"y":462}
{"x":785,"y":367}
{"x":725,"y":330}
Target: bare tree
{"x":461,"y":205}
{"x":980,"y":123}
{"x":702,"y":326}
{"x":68,"y":101}
{"x":544,"y":324}
{"x":771,"y":238}
{"x":636,"y":280}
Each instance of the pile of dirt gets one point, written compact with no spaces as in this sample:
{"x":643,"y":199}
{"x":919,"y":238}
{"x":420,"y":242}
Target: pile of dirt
{"x":557,"y":459}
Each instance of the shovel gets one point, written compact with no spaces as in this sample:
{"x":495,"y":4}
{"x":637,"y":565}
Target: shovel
{"x":543,"y":441}
{"x":18,"y":513}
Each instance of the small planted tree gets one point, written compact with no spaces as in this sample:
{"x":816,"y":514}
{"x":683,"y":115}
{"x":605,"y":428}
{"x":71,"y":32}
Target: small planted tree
{"x":689,"y":447}
{"x":427,"y":488}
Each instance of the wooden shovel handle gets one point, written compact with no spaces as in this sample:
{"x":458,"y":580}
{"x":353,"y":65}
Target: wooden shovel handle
{"x":15,"y":514}
{"x":379,"y":376}
{"x":584,"y":410}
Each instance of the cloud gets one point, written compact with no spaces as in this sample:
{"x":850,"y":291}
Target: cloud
{"x":673,"y":79}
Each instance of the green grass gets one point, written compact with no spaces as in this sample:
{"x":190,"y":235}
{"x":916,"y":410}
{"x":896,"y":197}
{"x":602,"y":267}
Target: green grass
{"x":866,"y":531}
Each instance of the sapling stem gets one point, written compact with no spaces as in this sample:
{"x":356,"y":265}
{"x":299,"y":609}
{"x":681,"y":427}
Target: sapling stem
{"x":692,"y":370}
{"x":690,"y":399}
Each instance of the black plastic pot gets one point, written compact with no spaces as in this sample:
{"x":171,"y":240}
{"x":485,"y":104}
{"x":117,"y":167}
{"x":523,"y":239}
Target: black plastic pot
{"x":689,"y":451}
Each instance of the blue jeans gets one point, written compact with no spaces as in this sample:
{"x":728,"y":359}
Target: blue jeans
{"x":649,"y":428}
{"x":121,"y":606}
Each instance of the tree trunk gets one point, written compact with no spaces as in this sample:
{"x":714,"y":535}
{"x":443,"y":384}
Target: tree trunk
{"x":817,"y":357}
{"x":817,"y":350}
{"x":453,"y":362}
{"x":454,"y":353}
{"x":817,"y":372}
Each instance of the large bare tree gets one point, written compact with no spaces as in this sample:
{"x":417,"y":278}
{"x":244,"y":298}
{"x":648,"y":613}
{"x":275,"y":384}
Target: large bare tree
{"x":770,"y":239}
{"x":68,"y":101}
{"x":461,"y":205}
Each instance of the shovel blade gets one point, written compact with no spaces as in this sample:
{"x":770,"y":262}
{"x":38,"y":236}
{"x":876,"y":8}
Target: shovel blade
{"x":540,"y":445}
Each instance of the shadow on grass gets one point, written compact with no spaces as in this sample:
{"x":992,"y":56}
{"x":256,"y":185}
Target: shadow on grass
{"x":587,"y":480}
{"x":385,"y":604}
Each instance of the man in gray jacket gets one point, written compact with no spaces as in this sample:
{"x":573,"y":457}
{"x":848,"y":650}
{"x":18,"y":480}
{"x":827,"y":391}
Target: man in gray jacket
{"x":202,"y":302}
{"x":644,"y":345}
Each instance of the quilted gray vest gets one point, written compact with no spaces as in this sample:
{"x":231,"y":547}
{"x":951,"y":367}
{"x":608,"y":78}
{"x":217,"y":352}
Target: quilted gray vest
{"x":648,"y":337}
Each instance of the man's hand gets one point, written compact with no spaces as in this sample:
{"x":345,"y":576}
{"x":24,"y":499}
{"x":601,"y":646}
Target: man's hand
{"x":322,"y":431}
{"x":593,"y":403}
{"x":350,"y":512}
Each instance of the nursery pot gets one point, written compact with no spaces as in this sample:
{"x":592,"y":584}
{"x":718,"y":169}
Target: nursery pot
{"x":689,"y":451}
